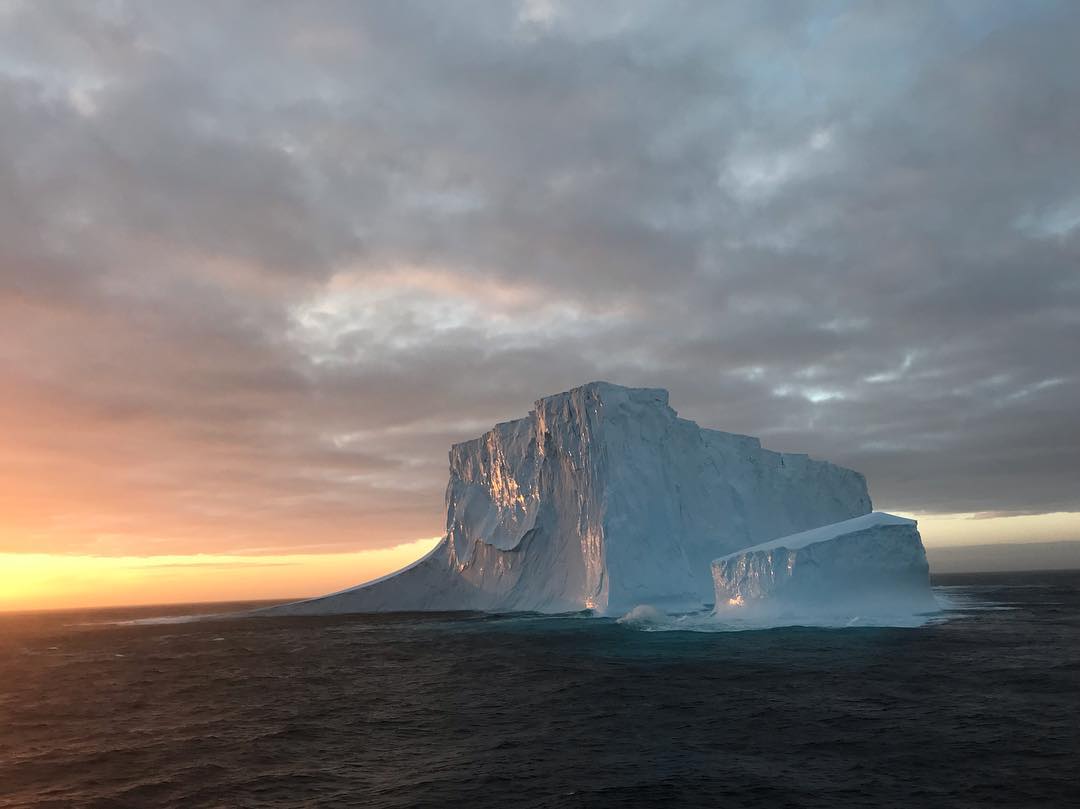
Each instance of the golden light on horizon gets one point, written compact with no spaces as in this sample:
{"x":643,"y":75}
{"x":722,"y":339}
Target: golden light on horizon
{"x":59,"y":581}
{"x":945,"y":530}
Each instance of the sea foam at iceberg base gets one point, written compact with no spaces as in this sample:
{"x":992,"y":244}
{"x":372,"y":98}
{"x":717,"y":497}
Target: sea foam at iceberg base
{"x":603,"y":499}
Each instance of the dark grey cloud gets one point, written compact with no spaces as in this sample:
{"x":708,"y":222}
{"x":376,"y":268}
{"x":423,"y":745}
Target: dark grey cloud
{"x":260,"y":265}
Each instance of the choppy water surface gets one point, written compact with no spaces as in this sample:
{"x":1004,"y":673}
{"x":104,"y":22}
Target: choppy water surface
{"x":105,"y":709}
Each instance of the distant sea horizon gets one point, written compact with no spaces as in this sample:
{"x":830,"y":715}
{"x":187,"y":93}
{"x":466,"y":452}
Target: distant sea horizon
{"x":1005,"y":557}
{"x":946,"y":562}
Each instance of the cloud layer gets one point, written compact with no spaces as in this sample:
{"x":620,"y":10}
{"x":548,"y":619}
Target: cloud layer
{"x":260,"y":265}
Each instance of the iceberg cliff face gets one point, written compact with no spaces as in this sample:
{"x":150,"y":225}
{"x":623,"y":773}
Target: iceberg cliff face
{"x":875,"y":562}
{"x":603,"y":498}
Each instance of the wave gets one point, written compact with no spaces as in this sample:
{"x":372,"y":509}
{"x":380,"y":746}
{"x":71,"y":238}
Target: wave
{"x":744,"y":617}
{"x":165,"y":619}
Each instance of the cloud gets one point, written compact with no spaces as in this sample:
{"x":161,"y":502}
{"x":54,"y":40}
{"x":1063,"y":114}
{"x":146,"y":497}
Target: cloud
{"x":258,"y":270}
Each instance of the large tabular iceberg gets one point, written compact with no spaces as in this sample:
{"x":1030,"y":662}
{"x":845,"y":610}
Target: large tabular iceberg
{"x":602,"y":498}
{"x":872,"y":563}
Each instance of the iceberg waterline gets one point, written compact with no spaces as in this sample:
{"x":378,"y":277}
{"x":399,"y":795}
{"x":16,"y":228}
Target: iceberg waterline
{"x":602,"y":499}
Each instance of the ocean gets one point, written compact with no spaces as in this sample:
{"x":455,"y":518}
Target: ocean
{"x":147,"y":708}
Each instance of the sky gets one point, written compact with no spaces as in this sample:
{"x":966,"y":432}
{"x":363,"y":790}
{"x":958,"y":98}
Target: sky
{"x":261,"y":264}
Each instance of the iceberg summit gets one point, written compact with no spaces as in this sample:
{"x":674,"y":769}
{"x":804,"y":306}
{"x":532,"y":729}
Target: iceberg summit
{"x":603,"y":499}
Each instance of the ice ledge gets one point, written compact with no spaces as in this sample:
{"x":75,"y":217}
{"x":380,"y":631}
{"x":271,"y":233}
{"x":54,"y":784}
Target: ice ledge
{"x":875,"y":519}
{"x":875,"y":562}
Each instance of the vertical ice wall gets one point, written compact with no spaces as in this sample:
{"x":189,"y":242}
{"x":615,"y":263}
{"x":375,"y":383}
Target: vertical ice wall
{"x":603,"y":498}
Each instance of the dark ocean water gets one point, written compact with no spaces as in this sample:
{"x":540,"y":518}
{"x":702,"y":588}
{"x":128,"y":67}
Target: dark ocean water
{"x":982,"y":709}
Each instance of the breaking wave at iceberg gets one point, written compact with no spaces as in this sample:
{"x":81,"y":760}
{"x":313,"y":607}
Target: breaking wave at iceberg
{"x":160,"y":620}
{"x":164,"y":620}
{"x":644,"y":616}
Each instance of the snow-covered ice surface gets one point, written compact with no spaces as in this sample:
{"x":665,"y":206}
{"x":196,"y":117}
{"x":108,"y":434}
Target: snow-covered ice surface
{"x":602,"y":498}
{"x":875,"y":519}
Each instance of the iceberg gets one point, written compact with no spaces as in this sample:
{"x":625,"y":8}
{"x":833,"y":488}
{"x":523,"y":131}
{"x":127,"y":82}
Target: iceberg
{"x":875,"y":564}
{"x":603,"y":499}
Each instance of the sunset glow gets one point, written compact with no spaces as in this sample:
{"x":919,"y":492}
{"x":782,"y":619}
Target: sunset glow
{"x":945,"y":530}
{"x":54,"y":581}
